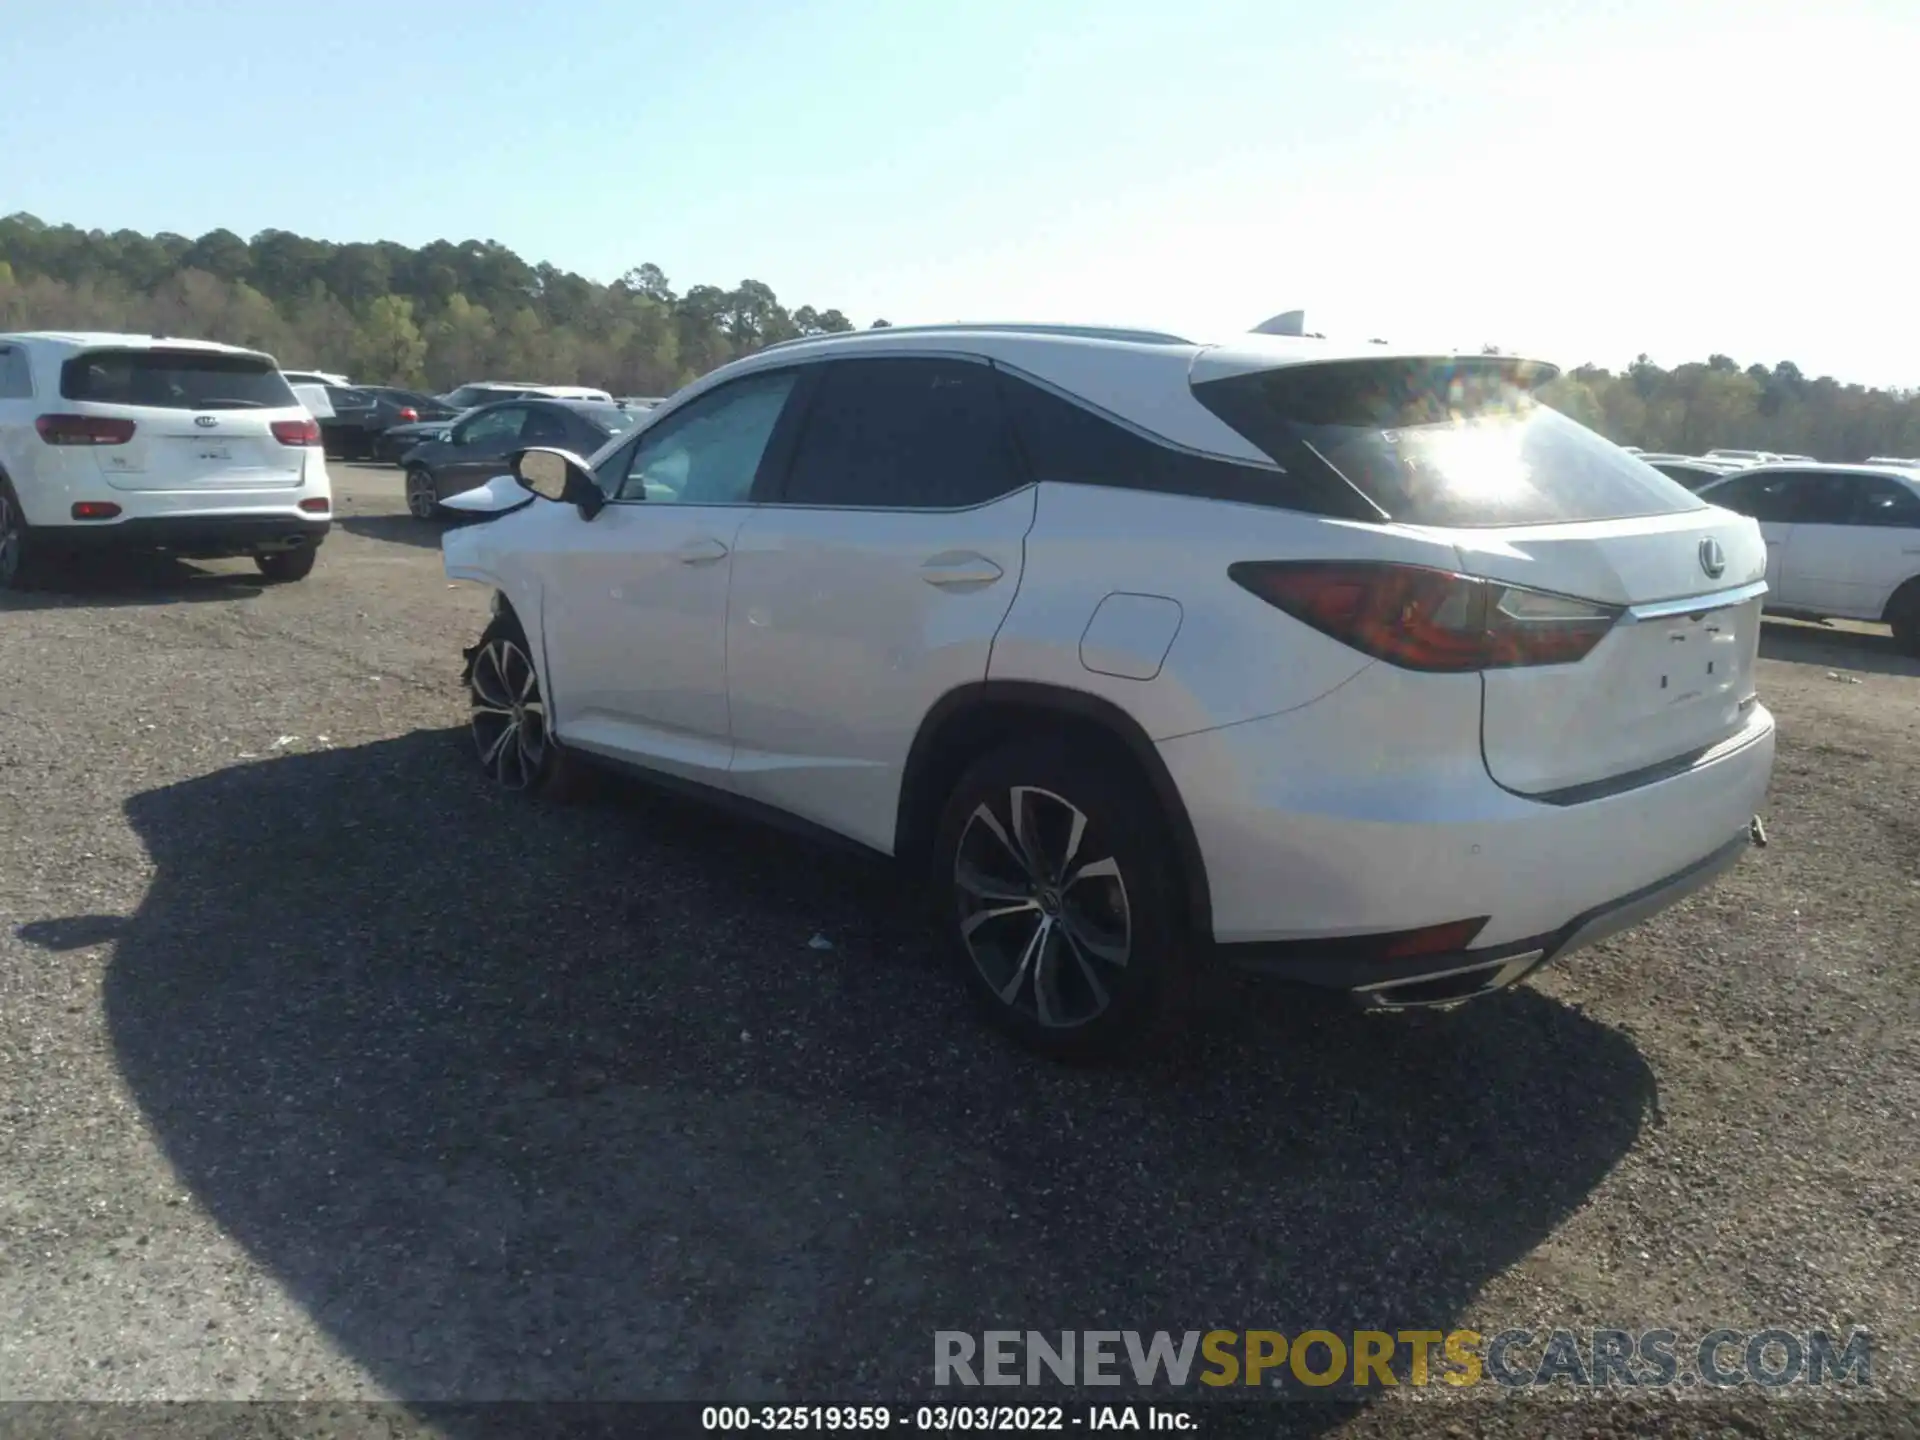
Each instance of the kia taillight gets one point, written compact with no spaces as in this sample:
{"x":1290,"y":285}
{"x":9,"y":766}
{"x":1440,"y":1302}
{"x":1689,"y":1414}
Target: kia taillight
{"x":94,"y":510}
{"x":297,"y":432}
{"x":1424,"y":619}
{"x":408,"y":415}
{"x":83,"y":430}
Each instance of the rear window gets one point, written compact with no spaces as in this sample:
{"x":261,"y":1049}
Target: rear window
{"x":610,"y":418}
{"x":1451,"y":443}
{"x":176,"y":380}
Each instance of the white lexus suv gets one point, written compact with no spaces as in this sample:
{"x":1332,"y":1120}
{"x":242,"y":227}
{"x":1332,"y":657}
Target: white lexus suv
{"x":139,"y":442}
{"x":1359,"y":667}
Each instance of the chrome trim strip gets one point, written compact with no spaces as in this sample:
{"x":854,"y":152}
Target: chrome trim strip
{"x":1505,"y":963}
{"x":1695,"y":604}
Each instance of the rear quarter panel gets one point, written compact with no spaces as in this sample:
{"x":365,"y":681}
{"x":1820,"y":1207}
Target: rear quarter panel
{"x":1234,"y":657}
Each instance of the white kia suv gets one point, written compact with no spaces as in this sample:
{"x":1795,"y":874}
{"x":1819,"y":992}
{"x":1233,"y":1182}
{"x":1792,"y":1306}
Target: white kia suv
{"x":1843,"y":541}
{"x":1359,"y":667}
{"x":139,"y":442}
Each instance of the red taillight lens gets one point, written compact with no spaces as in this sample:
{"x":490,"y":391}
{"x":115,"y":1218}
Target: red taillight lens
{"x":1423,"y":619}
{"x":318,"y":505}
{"x":94,"y":510}
{"x":408,"y":415}
{"x":297,"y":432}
{"x":83,"y":430}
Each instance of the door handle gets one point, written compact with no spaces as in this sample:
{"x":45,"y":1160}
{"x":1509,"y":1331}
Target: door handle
{"x":953,"y":569}
{"x":703,"y":551}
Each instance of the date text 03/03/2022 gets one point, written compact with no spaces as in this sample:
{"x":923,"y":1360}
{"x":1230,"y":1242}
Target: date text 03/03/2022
{"x":991,"y":1419}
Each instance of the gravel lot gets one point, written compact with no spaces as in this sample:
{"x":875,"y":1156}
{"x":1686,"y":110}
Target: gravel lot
{"x":327,"y":1073}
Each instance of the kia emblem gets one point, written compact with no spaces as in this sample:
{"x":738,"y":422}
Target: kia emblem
{"x":207,"y":422}
{"x":1713,"y":559}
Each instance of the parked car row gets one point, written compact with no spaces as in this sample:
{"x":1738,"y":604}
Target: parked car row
{"x":447,"y":459}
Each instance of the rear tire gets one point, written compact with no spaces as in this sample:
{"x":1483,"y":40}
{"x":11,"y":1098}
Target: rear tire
{"x":1904,"y":615}
{"x":1059,"y":902}
{"x":16,"y":539}
{"x":285,"y":566}
{"x":423,"y":501}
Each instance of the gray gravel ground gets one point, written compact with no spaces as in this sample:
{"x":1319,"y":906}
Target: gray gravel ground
{"x":328,"y":1074}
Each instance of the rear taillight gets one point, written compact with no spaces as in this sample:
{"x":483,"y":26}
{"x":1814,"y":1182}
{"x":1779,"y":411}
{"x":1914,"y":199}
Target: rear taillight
{"x":1422,"y":619}
{"x":317,"y":505}
{"x":83,"y":430}
{"x":408,"y":415}
{"x":297,"y":432}
{"x":94,"y":510}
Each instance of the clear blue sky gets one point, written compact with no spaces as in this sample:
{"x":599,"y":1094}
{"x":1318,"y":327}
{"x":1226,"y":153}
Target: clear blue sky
{"x":1580,"y":180}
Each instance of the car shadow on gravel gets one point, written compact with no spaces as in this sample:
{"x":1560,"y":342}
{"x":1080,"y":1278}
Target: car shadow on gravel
{"x":105,"y":581}
{"x":625,"y":1100}
{"x":1835,"y":648}
{"x":400,"y":529}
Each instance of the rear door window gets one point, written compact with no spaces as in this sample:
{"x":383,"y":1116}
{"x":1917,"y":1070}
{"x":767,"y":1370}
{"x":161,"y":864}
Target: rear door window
{"x":1450,"y":442}
{"x":500,"y":426}
{"x":904,"y":434}
{"x":176,"y":380}
{"x":1880,"y":501}
{"x":1764,"y":496}
{"x":16,"y":377}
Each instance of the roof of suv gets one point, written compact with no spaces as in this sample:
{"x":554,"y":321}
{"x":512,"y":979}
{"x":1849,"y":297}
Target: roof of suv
{"x":1259,"y":350}
{"x":96,"y":339}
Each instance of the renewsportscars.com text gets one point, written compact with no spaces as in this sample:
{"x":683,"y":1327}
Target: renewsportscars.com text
{"x":1717,"y":1360}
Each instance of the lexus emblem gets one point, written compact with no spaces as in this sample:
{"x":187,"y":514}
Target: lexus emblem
{"x":1713,"y":559}
{"x":207,"y":422}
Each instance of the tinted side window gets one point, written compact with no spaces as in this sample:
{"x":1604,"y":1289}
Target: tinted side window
{"x":904,"y":434}
{"x":545,"y":427}
{"x":1880,"y":501}
{"x":1764,"y":497}
{"x":493,"y":427}
{"x":1817,"y":499}
{"x":1064,"y":441}
{"x":16,"y":379}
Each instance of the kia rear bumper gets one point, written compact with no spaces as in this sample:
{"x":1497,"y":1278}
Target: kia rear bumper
{"x":192,"y":537}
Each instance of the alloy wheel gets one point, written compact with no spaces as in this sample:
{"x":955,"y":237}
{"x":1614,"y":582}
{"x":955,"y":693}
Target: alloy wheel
{"x":420,"y":497}
{"x":1043,"y":907}
{"x":509,"y":719}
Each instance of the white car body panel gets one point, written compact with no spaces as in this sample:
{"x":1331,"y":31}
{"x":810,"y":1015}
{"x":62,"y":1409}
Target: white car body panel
{"x":909,"y":602}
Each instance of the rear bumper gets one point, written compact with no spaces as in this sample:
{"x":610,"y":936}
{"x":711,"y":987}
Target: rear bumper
{"x":1363,"y":815}
{"x":1465,"y":974}
{"x":196,"y":537}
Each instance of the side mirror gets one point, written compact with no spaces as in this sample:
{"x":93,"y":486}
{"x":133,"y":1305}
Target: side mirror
{"x":559,"y":475}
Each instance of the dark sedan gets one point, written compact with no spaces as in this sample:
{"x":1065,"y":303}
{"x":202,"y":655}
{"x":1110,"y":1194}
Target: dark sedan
{"x":362,"y":415}
{"x":476,"y":447}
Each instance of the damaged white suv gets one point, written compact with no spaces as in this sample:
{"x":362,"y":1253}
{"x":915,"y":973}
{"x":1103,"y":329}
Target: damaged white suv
{"x":1363,"y":668}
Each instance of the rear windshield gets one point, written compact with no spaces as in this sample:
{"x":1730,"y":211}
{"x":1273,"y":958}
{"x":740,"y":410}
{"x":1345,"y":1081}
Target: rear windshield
{"x":470,"y":395}
{"x":176,"y":380}
{"x":1455,"y":443}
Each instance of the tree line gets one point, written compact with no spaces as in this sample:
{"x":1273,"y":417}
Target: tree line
{"x":445,"y":313}
{"x":391,"y":314}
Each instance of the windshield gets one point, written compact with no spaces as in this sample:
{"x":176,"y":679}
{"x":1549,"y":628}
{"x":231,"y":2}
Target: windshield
{"x":1443,"y":442}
